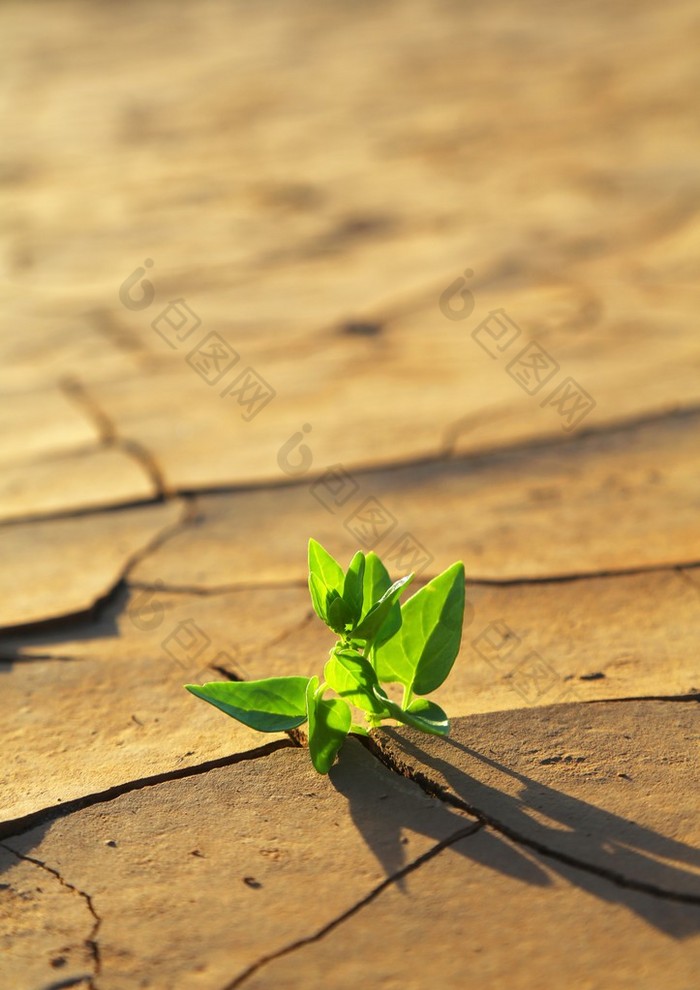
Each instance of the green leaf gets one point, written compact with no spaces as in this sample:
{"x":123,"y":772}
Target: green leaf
{"x":353,"y":586}
{"x":389,"y":627}
{"x":339,"y":616}
{"x":421,"y":654}
{"x":385,"y":616}
{"x":427,"y":716}
{"x":272,"y":705}
{"x":420,"y":714}
{"x":319,"y":593}
{"x":443,"y":610}
{"x":390,"y":660}
{"x":325,"y":567}
{"x":353,"y":678}
{"x":329,"y":724}
{"x":376,"y":581}
{"x":325,"y":575}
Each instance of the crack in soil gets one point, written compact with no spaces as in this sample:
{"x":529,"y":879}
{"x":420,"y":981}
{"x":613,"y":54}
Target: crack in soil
{"x":624,"y":425}
{"x":474,"y":581}
{"x":219,"y":589}
{"x":360,"y":469}
{"x":680,"y":571}
{"x":588,"y":575}
{"x":232,"y":673}
{"x":103,"y":320}
{"x":373,"y":894}
{"x":679,"y":567}
{"x":75,"y":391}
{"x":41,"y":658}
{"x":692,"y":696}
{"x":436,"y":790}
{"x":45,"y":816}
{"x":148,"y":464}
{"x":76,"y":982}
{"x":93,"y":611}
{"x":91,"y":941}
{"x":109,"y":435}
{"x":95,"y":510}
{"x":107,"y":438}
{"x":190,"y":514}
{"x":147,"y":460}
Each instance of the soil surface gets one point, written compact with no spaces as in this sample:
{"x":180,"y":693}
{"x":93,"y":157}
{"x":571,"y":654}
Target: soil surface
{"x":418,"y":277}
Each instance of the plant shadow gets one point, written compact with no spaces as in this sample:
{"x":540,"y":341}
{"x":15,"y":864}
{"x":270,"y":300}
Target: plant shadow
{"x":369,"y":787}
{"x":539,"y":832}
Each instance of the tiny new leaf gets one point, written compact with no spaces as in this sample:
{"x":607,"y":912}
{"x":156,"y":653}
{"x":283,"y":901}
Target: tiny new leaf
{"x":325,"y":567}
{"x":319,"y":594}
{"x":325,"y":576}
{"x":353,"y":592}
{"x":339,"y":614}
{"x":385,"y":616}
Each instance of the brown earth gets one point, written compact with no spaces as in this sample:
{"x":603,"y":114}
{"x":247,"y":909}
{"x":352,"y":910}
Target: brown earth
{"x":308,"y":184}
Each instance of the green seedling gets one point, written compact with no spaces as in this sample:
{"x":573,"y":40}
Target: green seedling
{"x":378,"y":642}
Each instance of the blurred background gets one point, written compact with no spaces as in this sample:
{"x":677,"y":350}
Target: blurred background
{"x":309,"y":179}
{"x":419,"y":277}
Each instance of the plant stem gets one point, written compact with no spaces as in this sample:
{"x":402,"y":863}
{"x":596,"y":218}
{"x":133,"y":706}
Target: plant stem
{"x":407,"y":697}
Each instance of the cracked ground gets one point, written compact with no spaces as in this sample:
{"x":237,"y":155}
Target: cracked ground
{"x":419,"y":277}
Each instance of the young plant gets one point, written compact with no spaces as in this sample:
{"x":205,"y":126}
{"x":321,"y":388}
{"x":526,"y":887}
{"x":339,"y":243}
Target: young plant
{"x":379,"y":642}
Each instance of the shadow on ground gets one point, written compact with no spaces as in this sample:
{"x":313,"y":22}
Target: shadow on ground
{"x":579,"y":833}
